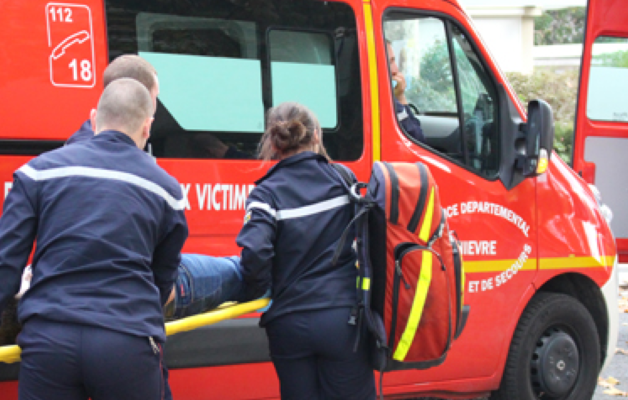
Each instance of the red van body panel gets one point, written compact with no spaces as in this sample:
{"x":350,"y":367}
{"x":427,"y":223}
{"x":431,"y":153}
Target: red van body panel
{"x":32,"y":106}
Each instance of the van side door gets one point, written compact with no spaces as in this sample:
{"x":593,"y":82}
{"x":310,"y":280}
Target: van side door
{"x":601,"y":132}
{"x":469,"y":122}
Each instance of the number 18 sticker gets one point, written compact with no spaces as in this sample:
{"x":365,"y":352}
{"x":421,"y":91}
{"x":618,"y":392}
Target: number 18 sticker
{"x":70,"y":39}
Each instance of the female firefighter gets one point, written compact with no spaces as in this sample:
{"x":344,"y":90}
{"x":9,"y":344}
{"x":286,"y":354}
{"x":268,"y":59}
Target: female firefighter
{"x":294,"y":219}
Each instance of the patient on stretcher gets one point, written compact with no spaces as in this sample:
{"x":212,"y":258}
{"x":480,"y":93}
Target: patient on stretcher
{"x":203,"y":283}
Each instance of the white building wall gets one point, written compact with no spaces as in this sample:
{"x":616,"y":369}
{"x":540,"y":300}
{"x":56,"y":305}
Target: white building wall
{"x":503,"y":36}
{"x":507,"y":28}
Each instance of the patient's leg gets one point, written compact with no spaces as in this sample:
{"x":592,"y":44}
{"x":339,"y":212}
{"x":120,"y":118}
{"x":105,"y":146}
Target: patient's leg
{"x":203,"y":283}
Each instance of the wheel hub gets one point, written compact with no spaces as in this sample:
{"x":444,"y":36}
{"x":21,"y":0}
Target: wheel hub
{"x":555,"y":363}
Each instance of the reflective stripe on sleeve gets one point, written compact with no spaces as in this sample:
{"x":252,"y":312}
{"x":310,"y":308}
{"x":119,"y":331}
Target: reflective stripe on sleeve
{"x":401,"y":115}
{"x":313,"y":208}
{"x":100,"y":173}
{"x":262,"y":206}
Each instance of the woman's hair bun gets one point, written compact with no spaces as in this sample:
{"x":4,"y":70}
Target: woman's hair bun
{"x":287,"y":136}
{"x":290,"y":129}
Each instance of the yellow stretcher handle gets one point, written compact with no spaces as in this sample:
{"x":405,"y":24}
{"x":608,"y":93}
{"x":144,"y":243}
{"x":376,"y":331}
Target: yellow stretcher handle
{"x":11,"y":354}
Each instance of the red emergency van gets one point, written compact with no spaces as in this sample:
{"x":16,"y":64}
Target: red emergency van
{"x":540,"y":256}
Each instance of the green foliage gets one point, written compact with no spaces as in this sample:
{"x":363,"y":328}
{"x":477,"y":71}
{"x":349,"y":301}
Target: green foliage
{"x":560,"y":90}
{"x":435,"y":65}
{"x":434,"y":90}
{"x":563,"y":140}
{"x":617,"y":59}
{"x":560,"y":26}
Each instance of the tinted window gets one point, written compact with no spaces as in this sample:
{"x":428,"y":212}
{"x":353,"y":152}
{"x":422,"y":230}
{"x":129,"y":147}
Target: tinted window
{"x":223,"y":64}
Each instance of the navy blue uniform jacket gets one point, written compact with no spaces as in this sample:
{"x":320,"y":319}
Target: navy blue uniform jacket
{"x":295,"y":217}
{"x":85,"y":132}
{"x":109,"y":225}
{"x":410,"y":123}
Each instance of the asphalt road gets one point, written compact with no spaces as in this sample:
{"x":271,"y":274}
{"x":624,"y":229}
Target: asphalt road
{"x":619,"y":366}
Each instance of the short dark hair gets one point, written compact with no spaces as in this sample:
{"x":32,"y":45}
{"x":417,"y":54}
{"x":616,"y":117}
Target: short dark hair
{"x":131,"y":66}
{"x":124,"y":105}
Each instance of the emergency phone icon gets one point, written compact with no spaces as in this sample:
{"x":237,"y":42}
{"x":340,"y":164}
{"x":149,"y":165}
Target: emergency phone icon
{"x":70,"y":38}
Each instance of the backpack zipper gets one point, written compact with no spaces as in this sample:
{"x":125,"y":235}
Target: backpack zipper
{"x":418,"y":211}
{"x":394,"y":193}
{"x":395,"y":304}
{"x":398,"y":277}
{"x":400,"y":273}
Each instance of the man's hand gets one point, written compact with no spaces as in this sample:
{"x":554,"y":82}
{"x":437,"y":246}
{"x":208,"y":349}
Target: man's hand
{"x":400,"y":88}
{"x":169,"y":307}
{"x":171,"y":297}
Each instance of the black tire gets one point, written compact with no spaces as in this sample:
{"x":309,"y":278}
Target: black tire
{"x":554,"y":354}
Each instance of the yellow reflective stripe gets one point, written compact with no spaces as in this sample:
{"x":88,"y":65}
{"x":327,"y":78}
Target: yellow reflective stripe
{"x":545,"y":264}
{"x":577,"y":262}
{"x":424,"y":235}
{"x":366,"y":284}
{"x":423,"y":285}
{"x":357,"y":282}
{"x":497,"y":265}
{"x":370,"y":47}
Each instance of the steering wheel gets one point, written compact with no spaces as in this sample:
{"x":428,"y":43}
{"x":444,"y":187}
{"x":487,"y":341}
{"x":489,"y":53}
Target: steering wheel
{"x":414,"y":108}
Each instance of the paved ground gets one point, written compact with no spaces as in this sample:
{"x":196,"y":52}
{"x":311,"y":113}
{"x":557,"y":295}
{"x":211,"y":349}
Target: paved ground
{"x":619,"y":366}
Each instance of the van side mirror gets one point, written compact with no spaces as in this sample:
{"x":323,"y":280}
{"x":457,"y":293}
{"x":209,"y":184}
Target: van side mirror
{"x":539,"y":139}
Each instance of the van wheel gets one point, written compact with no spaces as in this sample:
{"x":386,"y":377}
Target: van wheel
{"x":554,"y":354}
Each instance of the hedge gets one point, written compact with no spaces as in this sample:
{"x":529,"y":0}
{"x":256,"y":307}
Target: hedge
{"x":559,"y":89}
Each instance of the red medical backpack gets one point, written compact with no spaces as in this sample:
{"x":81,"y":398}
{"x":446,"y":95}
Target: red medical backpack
{"x":411,"y":277}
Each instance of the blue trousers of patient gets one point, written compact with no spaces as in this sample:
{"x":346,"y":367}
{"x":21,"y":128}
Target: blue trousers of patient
{"x":205,"y":282}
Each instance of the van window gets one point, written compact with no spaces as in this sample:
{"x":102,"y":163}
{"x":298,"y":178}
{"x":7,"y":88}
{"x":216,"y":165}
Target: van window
{"x":447,"y":87}
{"x":222,"y":67}
{"x":302,"y":70}
{"x":478,"y":99}
{"x":608,"y":81}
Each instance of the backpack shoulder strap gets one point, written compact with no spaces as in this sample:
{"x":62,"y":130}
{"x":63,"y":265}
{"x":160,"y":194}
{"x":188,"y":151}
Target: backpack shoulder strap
{"x":346,"y":175}
{"x":348,"y":179}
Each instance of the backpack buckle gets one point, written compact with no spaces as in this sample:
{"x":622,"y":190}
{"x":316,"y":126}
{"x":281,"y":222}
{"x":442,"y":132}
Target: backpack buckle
{"x":353,"y":317}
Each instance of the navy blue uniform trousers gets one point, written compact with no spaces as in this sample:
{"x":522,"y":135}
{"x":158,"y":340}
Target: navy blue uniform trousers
{"x":313,"y":355}
{"x":65,"y":361}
